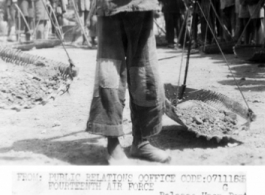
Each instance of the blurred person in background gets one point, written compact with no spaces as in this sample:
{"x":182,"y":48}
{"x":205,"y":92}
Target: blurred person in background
{"x":83,"y":9}
{"x":229,"y":17}
{"x":207,"y":9}
{"x":89,"y":24}
{"x":10,"y":18}
{"x":251,"y":9}
{"x":173,"y":11}
{"x":41,"y":19}
{"x":59,"y":8}
{"x":256,"y":11}
{"x":26,"y":8}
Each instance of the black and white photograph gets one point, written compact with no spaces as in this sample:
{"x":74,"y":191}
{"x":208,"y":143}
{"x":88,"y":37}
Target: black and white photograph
{"x":159,"y":83}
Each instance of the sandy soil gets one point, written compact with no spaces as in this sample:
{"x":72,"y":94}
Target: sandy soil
{"x":54,"y":134}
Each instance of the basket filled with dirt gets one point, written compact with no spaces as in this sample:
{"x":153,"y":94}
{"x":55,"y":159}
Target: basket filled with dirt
{"x":208,"y":113}
{"x":28,"y":80}
{"x":255,"y":53}
{"x":226,"y":47}
{"x":38,"y":44}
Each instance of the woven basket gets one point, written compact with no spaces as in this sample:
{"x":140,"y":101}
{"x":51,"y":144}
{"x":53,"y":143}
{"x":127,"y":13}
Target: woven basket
{"x":212,"y":99}
{"x":38,"y":44}
{"x":227,"y":48}
{"x":255,"y":53}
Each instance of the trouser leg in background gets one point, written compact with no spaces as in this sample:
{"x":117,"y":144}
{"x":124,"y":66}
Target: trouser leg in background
{"x":169,"y":23}
{"x":126,"y":54}
{"x":83,"y":17}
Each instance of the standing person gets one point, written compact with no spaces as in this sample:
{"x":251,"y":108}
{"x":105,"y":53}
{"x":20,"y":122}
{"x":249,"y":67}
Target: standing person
{"x":237,"y":27}
{"x":27,"y":11}
{"x":127,"y":56}
{"x":251,"y":9}
{"x":195,"y":22}
{"x":229,"y":16}
{"x":92,"y":27}
{"x":173,"y":11}
{"x":59,"y":8}
{"x":10,"y":18}
{"x":211,"y":17}
{"x":243,"y":19}
{"x":83,"y":10}
{"x":41,"y":19}
{"x":256,"y":12}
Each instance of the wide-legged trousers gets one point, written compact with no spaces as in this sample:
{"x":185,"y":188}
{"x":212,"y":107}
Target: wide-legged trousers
{"x":126,"y":57}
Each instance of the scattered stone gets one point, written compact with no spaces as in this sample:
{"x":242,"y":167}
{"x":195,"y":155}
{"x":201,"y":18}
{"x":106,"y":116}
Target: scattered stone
{"x":198,"y":120}
{"x":23,"y":88}
{"x":43,"y":131}
{"x":56,"y":124}
{"x":256,"y":101}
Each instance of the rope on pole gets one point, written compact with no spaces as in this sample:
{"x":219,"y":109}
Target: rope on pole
{"x":250,"y":112}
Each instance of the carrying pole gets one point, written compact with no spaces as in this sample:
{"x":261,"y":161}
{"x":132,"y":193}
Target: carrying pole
{"x":183,"y":87}
{"x":70,"y":69}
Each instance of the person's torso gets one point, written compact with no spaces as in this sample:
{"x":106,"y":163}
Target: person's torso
{"x":111,"y":7}
{"x":173,"y":6}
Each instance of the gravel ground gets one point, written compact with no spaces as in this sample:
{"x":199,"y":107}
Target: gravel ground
{"x":54,"y":134}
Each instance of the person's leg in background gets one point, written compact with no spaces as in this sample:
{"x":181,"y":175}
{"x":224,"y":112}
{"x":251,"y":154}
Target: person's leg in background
{"x":205,"y":33}
{"x":28,"y":32}
{"x":216,"y":22}
{"x":84,"y":20}
{"x":243,"y":15}
{"x":257,"y":14}
{"x":182,"y":30}
{"x":93,"y":30}
{"x":42,"y":31}
{"x":77,"y":30}
{"x":194,"y":31}
{"x":169,"y":25}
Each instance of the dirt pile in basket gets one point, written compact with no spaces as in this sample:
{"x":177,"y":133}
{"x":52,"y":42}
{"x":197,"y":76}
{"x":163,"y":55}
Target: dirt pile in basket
{"x":22,"y":87}
{"x":206,"y":120}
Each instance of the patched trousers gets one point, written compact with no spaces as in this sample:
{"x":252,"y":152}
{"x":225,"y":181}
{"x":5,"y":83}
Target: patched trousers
{"x":126,"y":57}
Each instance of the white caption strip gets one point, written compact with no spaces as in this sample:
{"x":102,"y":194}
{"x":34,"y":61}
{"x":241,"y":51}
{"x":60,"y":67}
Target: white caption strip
{"x":108,"y":183}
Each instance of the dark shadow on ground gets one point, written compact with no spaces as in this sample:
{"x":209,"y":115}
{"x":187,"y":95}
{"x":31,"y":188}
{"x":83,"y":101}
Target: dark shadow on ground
{"x":76,"y":152}
{"x":176,"y":137}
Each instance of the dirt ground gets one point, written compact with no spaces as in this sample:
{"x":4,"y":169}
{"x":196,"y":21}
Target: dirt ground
{"x":54,"y":134}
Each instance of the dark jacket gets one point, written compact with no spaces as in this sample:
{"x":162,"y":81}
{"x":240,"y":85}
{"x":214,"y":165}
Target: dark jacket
{"x":172,"y":6}
{"x":111,"y":7}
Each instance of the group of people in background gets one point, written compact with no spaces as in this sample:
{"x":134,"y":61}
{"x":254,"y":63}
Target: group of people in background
{"x":37,"y":19}
{"x":30,"y":17}
{"x":223,"y":20}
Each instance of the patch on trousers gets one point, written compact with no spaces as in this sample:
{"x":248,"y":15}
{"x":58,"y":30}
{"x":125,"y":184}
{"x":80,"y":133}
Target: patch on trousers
{"x":143,"y":86}
{"x":108,"y":73}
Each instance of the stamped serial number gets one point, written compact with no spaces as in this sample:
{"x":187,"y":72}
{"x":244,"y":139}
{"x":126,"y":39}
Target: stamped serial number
{"x":193,"y":178}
